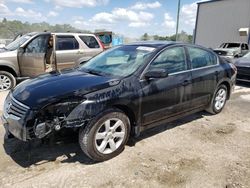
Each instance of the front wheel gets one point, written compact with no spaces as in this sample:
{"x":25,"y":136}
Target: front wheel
{"x":7,"y":81}
{"x":219,"y":100}
{"x":105,"y":136}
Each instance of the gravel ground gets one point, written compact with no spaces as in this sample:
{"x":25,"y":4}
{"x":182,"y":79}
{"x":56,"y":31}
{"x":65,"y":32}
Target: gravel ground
{"x":197,"y":151}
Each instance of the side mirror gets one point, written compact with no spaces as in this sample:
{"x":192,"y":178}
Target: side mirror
{"x":156,"y":73}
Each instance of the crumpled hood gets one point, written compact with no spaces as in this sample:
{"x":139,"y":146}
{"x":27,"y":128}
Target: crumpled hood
{"x":52,"y":87}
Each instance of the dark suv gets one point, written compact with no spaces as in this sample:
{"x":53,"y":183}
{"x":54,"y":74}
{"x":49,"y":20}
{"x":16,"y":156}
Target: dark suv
{"x":120,"y":93}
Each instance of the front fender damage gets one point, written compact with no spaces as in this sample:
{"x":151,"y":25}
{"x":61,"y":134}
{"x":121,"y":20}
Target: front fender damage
{"x":57,"y":116}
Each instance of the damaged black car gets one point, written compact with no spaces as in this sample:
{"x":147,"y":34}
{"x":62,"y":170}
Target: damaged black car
{"x":119,"y":93}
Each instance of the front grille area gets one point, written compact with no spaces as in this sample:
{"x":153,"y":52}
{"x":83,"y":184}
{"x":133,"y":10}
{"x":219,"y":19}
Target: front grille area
{"x":243,"y":70}
{"x":15,"y":108}
{"x":220,"y":52}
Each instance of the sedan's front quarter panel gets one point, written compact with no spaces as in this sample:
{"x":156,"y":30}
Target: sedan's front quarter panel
{"x":124,"y":94}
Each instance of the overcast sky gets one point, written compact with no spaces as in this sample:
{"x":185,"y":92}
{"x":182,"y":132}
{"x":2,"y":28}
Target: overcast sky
{"x":127,"y":17}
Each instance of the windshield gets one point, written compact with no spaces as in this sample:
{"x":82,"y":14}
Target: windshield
{"x":17,"y":43}
{"x":230,"y":45}
{"x":120,"y":61}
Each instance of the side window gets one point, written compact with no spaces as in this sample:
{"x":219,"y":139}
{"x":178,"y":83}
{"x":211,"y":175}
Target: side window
{"x":38,"y":45}
{"x":90,"y":41}
{"x":172,"y":60}
{"x":245,"y":47}
{"x":201,"y":58}
{"x":66,"y":43}
{"x":242,"y":46}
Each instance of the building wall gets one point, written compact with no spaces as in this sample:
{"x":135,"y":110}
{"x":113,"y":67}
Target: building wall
{"x":220,"y":21}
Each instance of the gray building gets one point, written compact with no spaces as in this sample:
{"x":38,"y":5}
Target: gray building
{"x":221,"y":21}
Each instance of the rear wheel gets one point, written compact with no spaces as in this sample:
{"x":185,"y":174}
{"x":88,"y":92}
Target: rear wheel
{"x":105,"y":136}
{"x":7,"y":81}
{"x":219,"y":100}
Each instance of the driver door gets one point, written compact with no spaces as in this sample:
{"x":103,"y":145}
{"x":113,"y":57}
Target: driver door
{"x":170,"y":96}
{"x":31,"y":57}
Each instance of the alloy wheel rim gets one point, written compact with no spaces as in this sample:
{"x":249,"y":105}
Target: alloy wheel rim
{"x":5,"y":82}
{"x":220,"y":99}
{"x":110,"y":136}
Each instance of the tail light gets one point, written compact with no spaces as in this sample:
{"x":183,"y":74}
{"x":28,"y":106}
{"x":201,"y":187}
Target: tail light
{"x":233,"y":67}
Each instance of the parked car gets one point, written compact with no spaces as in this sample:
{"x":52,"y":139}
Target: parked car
{"x":120,"y":93}
{"x":232,"y":49}
{"x":243,"y":68}
{"x":26,"y":56}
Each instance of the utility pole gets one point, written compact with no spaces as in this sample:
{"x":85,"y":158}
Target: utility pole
{"x":177,"y":22}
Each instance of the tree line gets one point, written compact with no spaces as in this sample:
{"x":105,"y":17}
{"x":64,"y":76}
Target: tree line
{"x":10,"y":29}
{"x":183,"y":36}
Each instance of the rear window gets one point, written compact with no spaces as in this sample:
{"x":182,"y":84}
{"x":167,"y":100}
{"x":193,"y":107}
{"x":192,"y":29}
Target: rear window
{"x":67,"y":43}
{"x":90,"y":41}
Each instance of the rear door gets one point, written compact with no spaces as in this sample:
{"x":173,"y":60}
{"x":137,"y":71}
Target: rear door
{"x":67,"y":51}
{"x":166,"y":97}
{"x":205,"y":71}
{"x":32,"y":58}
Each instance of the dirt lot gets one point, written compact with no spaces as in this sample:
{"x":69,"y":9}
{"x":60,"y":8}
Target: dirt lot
{"x":197,"y":151}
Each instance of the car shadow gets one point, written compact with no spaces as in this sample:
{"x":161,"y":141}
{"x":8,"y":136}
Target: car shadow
{"x":167,"y":126}
{"x":64,"y":148}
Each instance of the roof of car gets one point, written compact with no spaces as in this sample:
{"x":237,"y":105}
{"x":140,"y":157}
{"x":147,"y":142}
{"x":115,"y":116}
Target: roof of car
{"x":155,"y":44}
{"x":59,"y":33}
{"x":68,"y":33}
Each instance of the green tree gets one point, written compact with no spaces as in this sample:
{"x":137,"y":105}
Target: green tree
{"x":4,"y":20}
{"x":145,"y":37}
{"x":9,"y":29}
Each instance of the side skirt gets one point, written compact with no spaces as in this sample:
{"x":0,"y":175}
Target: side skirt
{"x":172,"y":118}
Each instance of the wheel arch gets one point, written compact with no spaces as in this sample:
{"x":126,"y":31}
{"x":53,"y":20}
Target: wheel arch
{"x":228,"y":85}
{"x":128,"y":111}
{"x":8,"y":69}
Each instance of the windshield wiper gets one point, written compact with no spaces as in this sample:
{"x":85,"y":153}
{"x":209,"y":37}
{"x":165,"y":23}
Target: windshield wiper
{"x":94,"y":72}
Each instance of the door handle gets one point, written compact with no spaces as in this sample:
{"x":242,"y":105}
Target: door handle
{"x":186,"y":82}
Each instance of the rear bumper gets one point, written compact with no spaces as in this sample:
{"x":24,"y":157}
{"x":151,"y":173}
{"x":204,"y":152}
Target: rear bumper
{"x":243,"y":77}
{"x":243,"y":73}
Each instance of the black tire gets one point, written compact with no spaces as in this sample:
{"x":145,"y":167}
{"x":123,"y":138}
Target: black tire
{"x":87,"y":135}
{"x":212,"y":107}
{"x":11,"y":78}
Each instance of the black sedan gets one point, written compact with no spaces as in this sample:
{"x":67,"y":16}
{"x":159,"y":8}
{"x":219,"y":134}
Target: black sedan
{"x":120,"y":93}
{"x":243,"y":68}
